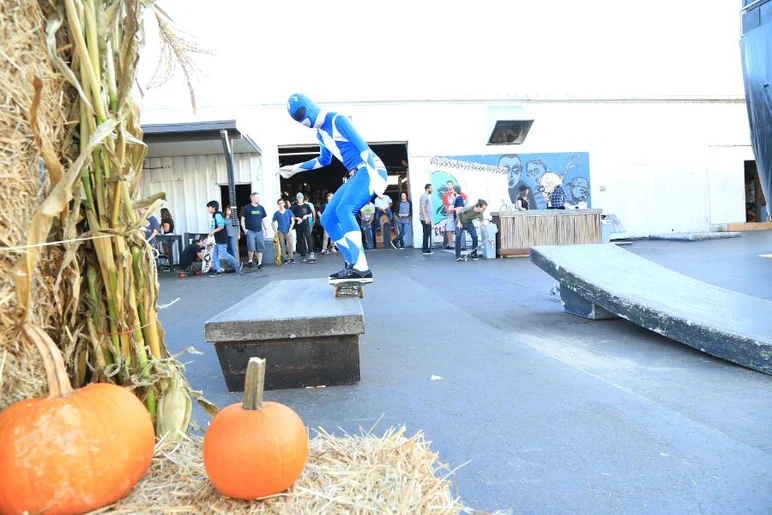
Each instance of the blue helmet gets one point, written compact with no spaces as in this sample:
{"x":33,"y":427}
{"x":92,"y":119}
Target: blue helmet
{"x":303,"y":110}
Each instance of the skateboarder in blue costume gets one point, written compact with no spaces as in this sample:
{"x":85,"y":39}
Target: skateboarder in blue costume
{"x":367,"y":177}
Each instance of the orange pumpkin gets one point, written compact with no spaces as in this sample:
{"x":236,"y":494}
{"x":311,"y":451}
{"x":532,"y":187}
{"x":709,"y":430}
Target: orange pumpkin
{"x":257,"y":448}
{"x":75,"y":451}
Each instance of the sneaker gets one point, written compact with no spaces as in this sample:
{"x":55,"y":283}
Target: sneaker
{"x":392,"y":244}
{"x":292,"y":261}
{"x":342,"y":272}
{"x":216,"y":274}
{"x":325,"y":252}
{"x":459,"y":258}
{"x":250,"y":264}
{"x":335,"y":250}
{"x":304,"y":259}
{"x":260,"y":266}
{"x":351,"y":274}
{"x":474,"y":255}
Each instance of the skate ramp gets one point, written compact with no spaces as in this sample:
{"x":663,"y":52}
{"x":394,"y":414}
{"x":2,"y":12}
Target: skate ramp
{"x":604,"y":281}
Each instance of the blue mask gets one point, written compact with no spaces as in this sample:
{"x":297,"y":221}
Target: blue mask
{"x":303,"y":110}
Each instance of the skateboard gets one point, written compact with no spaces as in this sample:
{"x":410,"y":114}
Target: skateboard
{"x":276,"y":250}
{"x":349,"y":288}
{"x":310,"y":261}
{"x":387,"y":238}
{"x":465,"y":257}
{"x":183,"y":275}
{"x":206,"y":264}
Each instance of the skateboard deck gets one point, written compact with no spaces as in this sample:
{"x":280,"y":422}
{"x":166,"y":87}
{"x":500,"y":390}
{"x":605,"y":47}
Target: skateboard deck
{"x":349,"y":288}
{"x":182,"y":275}
{"x":276,"y":250}
{"x":465,"y":257}
{"x":388,"y":240}
{"x":206,"y":264}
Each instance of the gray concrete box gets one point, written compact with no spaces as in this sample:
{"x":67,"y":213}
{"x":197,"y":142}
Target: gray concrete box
{"x":306,"y":335}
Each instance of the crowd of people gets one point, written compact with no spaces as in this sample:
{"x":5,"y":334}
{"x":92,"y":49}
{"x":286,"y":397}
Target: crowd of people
{"x":296,"y":225}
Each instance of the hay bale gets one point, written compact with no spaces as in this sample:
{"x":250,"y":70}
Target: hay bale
{"x":344,"y":474}
{"x":23,"y":185}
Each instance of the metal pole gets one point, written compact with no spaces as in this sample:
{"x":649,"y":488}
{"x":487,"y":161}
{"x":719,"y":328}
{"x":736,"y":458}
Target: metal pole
{"x":226,"y":146}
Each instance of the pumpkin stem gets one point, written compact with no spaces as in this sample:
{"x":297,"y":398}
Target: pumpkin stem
{"x":58,"y":382}
{"x":253,"y":384}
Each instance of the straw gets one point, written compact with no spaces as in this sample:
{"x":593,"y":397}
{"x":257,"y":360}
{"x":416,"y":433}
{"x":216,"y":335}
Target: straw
{"x":348,"y":474}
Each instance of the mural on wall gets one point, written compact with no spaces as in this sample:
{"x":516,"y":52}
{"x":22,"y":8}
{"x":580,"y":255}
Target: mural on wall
{"x":498,"y":178}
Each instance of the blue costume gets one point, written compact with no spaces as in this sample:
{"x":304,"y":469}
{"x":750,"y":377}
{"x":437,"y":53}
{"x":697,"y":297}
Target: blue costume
{"x":337,"y":137}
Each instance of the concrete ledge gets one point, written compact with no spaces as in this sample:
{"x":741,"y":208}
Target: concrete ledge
{"x":720,"y":322}
{"x":306,"y":335}
{"x":299,"y":308}
{"x":699,"y":236}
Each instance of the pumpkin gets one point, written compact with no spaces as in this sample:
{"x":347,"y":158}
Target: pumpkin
{"x":75,"y":451}
{"x":255,"y":449}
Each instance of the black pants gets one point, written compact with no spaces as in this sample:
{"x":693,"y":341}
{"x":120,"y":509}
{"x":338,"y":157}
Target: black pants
{"x":303,"y":232}
{"x":427,"y":236}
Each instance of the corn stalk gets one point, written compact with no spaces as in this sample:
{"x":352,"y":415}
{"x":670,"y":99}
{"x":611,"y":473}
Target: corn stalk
{"x":119,"y":297}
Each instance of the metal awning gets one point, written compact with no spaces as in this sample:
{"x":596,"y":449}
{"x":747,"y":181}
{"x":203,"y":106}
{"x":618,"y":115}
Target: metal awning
{"x":195,"y":138}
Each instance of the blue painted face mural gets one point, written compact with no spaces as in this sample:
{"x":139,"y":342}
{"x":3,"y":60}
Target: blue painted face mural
{"x":536,"y":172}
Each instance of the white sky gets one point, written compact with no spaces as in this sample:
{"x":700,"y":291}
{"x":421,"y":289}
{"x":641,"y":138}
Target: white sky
{"x":335,"y":51}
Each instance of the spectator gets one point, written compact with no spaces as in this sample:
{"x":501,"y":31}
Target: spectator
{"x":522,"y":203}
{"x":167,"y":222}
{"x":404,"y":217}
{"x":327,"y":245}
{"x":219,"y":231}
{"x":301,"y":211}
{"x":460,"y":201}
{"x":167,"y":227}
{"x":425,"y":215}
{"x":253,"y":223}
{"x":283,"y":223}
{"x":366,"y":223}
{"x":232,"y":231}
{"x":192,"y":257}
{"x":152,"y":227}
{"x":449,"y":201}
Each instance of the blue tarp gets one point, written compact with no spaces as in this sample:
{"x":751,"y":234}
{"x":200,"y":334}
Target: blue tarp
{"x":756,"y":48}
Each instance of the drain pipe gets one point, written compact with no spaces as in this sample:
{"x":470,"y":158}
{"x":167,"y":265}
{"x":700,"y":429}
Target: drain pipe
{"x":227,"y":150}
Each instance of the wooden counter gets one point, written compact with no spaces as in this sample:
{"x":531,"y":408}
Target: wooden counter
{"x":518,"y":231}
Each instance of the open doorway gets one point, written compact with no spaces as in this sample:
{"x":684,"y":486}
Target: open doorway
{"x":242,"y":199}
{"x":755,"y":203}
{"x":316,"y":184}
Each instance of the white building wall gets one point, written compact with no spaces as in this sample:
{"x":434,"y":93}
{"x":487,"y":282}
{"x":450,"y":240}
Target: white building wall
{"x":191,"y":181}
{"x":660,"y":166}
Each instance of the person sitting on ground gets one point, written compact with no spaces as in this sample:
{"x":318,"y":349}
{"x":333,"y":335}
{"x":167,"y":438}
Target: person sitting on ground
{"x":466,"y":215}
{"x":192,"y":257}
{"x":283,"y":223}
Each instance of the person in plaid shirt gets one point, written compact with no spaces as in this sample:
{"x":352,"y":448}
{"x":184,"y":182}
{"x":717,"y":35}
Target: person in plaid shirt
{"x":558,"y":198}
{"x":552,"y":189}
